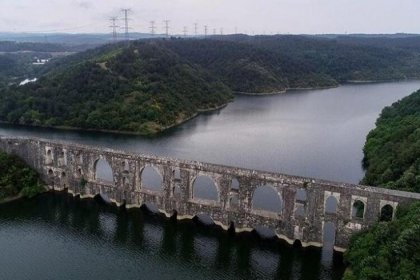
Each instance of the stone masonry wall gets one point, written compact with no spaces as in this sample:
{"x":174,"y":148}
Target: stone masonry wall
{"x":72,"y":167}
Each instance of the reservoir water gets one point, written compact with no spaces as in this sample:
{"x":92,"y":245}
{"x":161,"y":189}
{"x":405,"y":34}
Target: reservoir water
{"x":317,"y":133}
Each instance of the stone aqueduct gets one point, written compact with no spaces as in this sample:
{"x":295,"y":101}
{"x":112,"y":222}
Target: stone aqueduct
{"x":302,"y":215}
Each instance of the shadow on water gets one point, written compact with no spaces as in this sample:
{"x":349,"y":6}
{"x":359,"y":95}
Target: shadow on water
{"x":187,"y":249}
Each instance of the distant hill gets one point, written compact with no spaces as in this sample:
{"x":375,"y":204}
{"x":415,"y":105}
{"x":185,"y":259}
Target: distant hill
{"x":17,"y":58}
{"x":154,"y":84}
{"x":93,"y":39}
{"x":344,"y":59}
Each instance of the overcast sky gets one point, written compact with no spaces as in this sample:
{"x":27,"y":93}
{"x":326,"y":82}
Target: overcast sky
{"x":249,"y":16}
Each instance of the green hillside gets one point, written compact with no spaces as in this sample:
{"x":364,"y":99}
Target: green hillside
{"x":391,"y":250}
{"x":392,"y":149}
{"x":155,"y":84}
{"x":141,"y":89}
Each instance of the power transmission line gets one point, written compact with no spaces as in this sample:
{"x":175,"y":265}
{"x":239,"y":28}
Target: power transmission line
{"x":185,"y":31}
{"x":126,"y":19}
{"x":166,"y":22}
{"x":114,"y":27}
{"x":205,"y":30}
{"x":152,"y":27}
{"x":196,"y":29}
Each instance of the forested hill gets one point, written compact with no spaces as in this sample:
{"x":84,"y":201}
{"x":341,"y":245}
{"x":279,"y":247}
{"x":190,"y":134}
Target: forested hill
{"x":391,"y":250}
{"x":343,"y":58}
{"x":143,"y":89}
{"x":153,"y":84}
{"x":392,"y":149}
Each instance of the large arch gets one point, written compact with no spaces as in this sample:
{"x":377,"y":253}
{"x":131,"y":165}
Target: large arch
{"x":151,"y":179}
{"x":103,"y":171}
{"x":328,"y":241}
{"x":205,"y":188}
{"x":267,"y":198}
{"x":331,"y":204}
{"x":358,"y":209}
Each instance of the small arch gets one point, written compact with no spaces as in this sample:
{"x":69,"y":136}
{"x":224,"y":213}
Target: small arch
{"x":234,"y":185}
{"x":105,"y":198}
{"x":176,"y":173}
{"x":387,"y":213}
{"x":174,"y":215}
{"x":300,"y":211}
{"x":50,"y":172}
{"x":205,"y":188}
{"x":79,"y":170}
{"x":126,"y":165}
{"x":267,"y":198}
{"x":297,"y":243}
{"x":151,"y":207}
{"x":301,"y":195}
{"x":358,"y":209}
{"x":63,"y":174}
{"x":204,"y":219}
{"x":177,"y":191}
{"x":331,"y":205}
{"x":231,"y":229}
{"x":265,"y":232}
{"x":234,"y":201}
{"x":49,"y":158}
{"x":151,"y":179}
{"x":103,"y":171}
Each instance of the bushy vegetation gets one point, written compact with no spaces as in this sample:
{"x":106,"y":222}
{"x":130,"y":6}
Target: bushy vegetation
{"x":143,"y":89}
{"x":389,"y":250}
{"x":16,"y":178}
{"x":392,"y":149}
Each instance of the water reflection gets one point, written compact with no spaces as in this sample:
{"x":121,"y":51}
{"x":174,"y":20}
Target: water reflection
{"x":102,"y":240}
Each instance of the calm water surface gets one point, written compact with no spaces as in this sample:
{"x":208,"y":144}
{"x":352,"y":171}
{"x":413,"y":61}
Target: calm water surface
{"x":316,"y":133}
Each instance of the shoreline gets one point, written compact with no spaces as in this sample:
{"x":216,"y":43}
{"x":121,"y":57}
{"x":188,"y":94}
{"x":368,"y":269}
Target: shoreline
{"x":348,"y":82}
{"x":123,"y":132}
{"x":282,"y":91}
{"x":10,"y":199}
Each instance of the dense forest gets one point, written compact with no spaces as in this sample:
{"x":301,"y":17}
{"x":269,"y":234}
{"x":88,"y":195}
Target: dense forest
{"x":392,"y":149}
{"x":143,"y":89}
{"x":16,"y":178}
{"x":344,"y":58}
{"x":391,"y":250}
{"x":151,"y":85}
